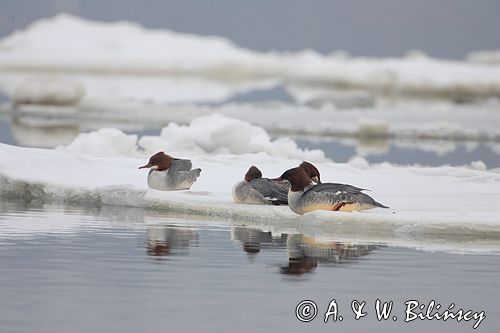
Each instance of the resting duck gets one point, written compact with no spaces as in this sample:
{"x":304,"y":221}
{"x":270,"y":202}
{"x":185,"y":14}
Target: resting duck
{"x":169,"y":174}
{"x":311,"y":171}
{"x":305,"y":197}
{"x":257,"y":190}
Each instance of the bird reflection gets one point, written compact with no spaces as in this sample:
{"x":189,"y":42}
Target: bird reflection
{"x":164,"y":240}
{"x":299,"y":265}
{"x":304,"y":253}
{"x":253,"y":240}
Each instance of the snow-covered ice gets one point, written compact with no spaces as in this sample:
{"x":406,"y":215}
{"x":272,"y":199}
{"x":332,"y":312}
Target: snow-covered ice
{"x":126,"y":47}
{"x":214,"y":134}
{"x":449,"y":200}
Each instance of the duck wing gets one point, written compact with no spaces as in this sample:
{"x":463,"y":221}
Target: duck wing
{"x":179,"y":164}
{"x":334,"y":188}
{"x":338,"y":195}
{"x":276,"y":192}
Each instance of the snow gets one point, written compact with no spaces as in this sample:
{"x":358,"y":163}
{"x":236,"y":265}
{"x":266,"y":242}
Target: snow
{"x":450,"y":200}
{"x":214,"y":134}
{"x":104,"y":142}
{"x":126,"y":47}
{"x":218,"y":134}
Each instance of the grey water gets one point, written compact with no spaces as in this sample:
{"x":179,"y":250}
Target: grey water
{"x":460,"y":152}
{"x":115,"y":269}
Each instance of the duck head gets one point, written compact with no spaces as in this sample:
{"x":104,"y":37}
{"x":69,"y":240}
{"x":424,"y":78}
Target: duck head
{"x":159,"y":161}
{"x":311,"y":171}
{"x":253,"y":173}
{"x":297,"y":178}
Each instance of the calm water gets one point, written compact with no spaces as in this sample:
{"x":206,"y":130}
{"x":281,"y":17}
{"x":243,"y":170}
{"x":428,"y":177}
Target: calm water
{"x":114,"y":269}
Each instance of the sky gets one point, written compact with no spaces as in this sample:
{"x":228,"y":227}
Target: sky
{"x":375,"y":28}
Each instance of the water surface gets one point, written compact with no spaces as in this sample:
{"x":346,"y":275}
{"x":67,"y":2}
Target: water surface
{"x":115,"y":269}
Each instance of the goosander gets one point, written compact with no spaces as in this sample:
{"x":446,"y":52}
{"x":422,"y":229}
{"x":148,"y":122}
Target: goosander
{"x":169,"y":174}
{"x":313,"y":173}
{"x":257,"y":190}
{"x":305,"y":197}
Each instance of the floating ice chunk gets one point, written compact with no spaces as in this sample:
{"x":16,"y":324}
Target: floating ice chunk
{"x":104,"y":142}
{"x":359,"y":162}
{"x":484,"y":57}
{"x":49,"y":90}
{"x":217,"y":134}
{"x":213,"y":134}
{"x":478,"y":165}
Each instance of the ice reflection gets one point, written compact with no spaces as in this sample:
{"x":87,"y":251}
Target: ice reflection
{"x":44,"y":135}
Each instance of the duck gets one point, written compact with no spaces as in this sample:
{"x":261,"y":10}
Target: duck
{"x":170,"y":174}
{"x":254,"y":189}
{"x":304,"y":196}
{"x":313,"y":173}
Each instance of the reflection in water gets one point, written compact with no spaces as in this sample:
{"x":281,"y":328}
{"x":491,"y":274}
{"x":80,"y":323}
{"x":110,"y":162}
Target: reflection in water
{"x":253,"y":240}
{"x":304,"y":253}
{"x":164,"y":240}
{"x":46,"y":133}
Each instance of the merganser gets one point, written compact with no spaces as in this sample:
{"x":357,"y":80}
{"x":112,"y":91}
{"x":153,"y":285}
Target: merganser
{"x":305,"y":197}
{"x":169,"y":174}
{"x":257,"y":190}
{"x":311,"y":171}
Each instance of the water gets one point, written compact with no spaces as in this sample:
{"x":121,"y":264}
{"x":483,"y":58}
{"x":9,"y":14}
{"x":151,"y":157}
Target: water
{"x":114,"y":269}
{"x":407,"y":152}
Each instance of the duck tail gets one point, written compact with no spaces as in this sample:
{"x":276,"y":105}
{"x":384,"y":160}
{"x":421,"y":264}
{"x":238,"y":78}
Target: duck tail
{"x":197,"y":172}
{"x":378,"y":204}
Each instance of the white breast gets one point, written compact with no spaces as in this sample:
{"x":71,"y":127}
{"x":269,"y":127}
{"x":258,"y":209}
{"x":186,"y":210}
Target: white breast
{"x":294,"y":201}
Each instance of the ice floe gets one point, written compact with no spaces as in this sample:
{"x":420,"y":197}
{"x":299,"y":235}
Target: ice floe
{"x":126,"y":47}
{"x":213,"y":134}
{"x":485,"y":57}
{"x":451,"y":200}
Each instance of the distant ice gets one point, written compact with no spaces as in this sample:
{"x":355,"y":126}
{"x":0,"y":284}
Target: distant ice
{"x":485,"y":57}
{"x":48,"y":90}
{"x":104,"y":142}
{"x":125,"y":47}
{"x":437,"y":121}
{"x":213,"y":134}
